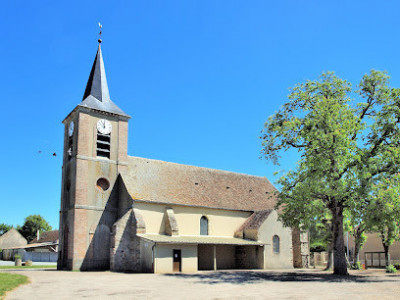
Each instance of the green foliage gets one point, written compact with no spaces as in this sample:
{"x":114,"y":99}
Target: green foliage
{"x":318,"y":246}
{"x":356,"y":266}
{"x":4,"y":228}
{"x":17,"y":256}
{"x":397,"y":266}
{"x":344,"y":145}
{"x":384,"y":209}
{"x":391,"y":269}
{"x":320,"y":234}
{"x":9,"y":282}
{"x":32,"y":224}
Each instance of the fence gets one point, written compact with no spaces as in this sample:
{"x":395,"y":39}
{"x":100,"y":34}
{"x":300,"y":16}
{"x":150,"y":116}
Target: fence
{"x":8,"y":254}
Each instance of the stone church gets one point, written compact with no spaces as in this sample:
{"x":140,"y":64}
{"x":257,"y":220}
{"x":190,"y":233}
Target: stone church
{"x":133,"y":214}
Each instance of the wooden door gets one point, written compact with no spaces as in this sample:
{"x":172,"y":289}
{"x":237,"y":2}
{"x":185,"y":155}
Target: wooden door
{"x":177,"y":261}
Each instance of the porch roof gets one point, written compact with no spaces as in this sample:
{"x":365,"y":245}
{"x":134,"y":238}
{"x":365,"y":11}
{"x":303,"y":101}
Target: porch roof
{"x":198,"y":239}
{"x":35,"y":245}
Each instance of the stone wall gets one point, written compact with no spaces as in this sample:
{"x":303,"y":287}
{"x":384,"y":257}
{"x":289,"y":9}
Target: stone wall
{"x":125,"y":244}
{"x":301,"y":248}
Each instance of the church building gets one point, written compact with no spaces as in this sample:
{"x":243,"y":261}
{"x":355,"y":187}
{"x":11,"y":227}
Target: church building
{"x":131,"y":214}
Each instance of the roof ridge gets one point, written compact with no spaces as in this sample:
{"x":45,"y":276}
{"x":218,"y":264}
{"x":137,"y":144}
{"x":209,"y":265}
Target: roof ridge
{"x":203,"y":168}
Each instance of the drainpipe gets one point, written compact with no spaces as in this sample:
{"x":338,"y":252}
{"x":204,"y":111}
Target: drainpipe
{"x":153,"y":257}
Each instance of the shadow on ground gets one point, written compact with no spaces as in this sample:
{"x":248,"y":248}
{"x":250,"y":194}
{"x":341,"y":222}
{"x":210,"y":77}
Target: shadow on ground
{"x":248,"y":277}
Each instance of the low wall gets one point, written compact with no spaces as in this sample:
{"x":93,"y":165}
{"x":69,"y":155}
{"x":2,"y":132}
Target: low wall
{"x":9,"y":254}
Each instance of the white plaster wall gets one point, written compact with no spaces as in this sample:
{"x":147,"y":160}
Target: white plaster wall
{"x":271,"y":227}
{"x":164,"y":261}
{"x":153,"y":216}
{"x":220,"y":222}
{"x":146,"y":255}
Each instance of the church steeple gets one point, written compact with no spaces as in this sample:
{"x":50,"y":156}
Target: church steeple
{"x":96,"y":94}
{"x":97,"y":84}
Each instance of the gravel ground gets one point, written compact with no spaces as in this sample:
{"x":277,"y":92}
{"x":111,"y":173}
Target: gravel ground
{"x":284,"y":284}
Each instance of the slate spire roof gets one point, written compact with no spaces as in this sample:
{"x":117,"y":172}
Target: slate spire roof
{"x":96,"y":94}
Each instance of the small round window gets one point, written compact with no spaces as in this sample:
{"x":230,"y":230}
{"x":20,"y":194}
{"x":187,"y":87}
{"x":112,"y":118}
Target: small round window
{"x":103,"y":184}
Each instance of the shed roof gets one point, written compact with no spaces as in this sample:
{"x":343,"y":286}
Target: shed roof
{"x":200,"y":239}
{"x":255,"y":220}
{"x":171,"y":183}
{"x":48,"y":236}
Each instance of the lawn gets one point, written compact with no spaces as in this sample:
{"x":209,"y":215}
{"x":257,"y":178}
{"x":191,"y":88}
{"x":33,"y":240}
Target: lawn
{"x":29,"y":267}
{"x":10,"y":281}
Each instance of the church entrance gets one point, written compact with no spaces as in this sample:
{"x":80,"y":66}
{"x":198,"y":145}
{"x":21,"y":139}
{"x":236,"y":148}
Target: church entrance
{"x":177,"y":261}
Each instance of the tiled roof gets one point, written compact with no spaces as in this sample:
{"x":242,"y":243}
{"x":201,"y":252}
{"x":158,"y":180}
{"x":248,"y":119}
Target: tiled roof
{"x":200,"y":239}
{"x":48,"y":236}
{"x":255,"y":220}
{"x":35,"y":245}
{"x":12,"y":238}
{"x":172,"y":183}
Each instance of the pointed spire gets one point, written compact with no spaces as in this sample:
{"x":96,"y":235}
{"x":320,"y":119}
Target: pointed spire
{"x":96,"y":94}
{"x":97,"y":84}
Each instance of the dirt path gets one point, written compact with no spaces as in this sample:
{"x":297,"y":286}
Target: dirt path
{"x":297,"y":284}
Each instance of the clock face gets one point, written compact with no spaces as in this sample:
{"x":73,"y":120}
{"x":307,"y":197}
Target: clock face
{"x":104,"y":126}
{"x":71,"y":128}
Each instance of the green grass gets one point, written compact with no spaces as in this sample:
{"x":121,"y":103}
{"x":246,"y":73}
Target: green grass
{"x":29,"y":267}
{"x":9,"y":282}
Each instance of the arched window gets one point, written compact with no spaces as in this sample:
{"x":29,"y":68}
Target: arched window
{"x":203,"y":226}
{"x":275,"y":244}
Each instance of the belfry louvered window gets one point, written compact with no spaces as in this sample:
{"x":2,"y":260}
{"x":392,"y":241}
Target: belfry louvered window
{"x":103,"y":145}
{"x":69,"y":147}
{"x":203,"y":226}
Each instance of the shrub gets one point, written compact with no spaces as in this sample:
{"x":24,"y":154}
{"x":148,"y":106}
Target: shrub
{"x":28,"y":263}
{"x":397,"y":266}
{"x":391,"y":269}
{"x":17,"y":256}
{"x":356,"y":266}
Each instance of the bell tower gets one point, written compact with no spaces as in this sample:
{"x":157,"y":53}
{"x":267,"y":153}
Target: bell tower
{"x":95,"y":151}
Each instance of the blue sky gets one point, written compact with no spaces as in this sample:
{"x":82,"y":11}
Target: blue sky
{"x":199,"y":78}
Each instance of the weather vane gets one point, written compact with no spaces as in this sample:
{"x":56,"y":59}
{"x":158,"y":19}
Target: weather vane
{"x":100,"y":26}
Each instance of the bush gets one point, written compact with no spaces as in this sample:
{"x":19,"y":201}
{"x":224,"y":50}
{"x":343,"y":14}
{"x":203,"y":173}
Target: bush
{"x":356,"y":266}
{"x":17,"y":256}
{"x":28,"y":263}
{"x":318,"y":247}
{"x":391,"y":269}
{"x":397,"y":266}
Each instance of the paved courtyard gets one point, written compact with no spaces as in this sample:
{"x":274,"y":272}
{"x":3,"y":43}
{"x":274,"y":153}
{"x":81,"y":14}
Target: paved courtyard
{"x":296,"y":284}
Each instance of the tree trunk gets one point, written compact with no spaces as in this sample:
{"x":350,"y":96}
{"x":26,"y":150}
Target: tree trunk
{"x":357,"y":244}
{"x":387,"y":259}
{"x":385,"y":245}
{"x":357,"y":247}
{"x":339,"y":253}
{"x":330,"y":258}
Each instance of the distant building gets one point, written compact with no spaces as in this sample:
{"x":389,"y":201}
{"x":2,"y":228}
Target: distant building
{"x":133,"y":214}
{"x":42,"y":249}
{"x":372,"y":252}
{"x":11,"y":239}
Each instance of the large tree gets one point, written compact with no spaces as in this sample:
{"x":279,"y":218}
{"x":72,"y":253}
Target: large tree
{"x":344,"y":144}
{"x":4,"y":228}
{"x":32,"y":225}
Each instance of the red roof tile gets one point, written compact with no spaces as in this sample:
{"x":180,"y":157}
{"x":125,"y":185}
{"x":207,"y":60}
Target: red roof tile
{"x":172,"y":183}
